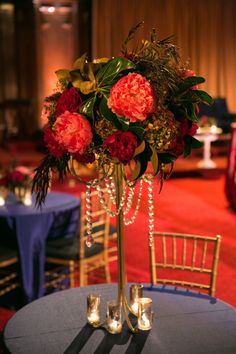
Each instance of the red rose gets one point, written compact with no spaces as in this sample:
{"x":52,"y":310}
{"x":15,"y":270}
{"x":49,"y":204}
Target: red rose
{"x":52,"y":144}
{"x":85,"y":158}
{"x":121,"y":145}
{"x":192,"y":131}
{"x":15,"y":176}
{"x":70,"y":100}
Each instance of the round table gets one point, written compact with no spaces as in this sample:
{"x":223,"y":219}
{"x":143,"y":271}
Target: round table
{"x":184,"y":323}
{"x":31,"y":227}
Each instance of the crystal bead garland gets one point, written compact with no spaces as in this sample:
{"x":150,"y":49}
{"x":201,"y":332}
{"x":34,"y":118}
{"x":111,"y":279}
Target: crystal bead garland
{"x":89,"y":237}
{"x":111,"y":194}
{"x":149,"y":180}
{"x":131,"y":220}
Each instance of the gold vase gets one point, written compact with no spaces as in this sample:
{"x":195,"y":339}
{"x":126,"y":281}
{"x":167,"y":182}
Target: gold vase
{"x":122,"y":299}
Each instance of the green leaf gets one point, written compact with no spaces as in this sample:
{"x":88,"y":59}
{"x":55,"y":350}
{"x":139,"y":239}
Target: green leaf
{"x":140,"y":148}
{"x":165,"y":157}
{"x":63,"y":75}
{"x":88,"y":107}
{"x":136,"y":172}
{"x":191,"y":112}
{"x":123,"y":123}
{"x":137,"y":130}
{"x":193,"y":142}
{"x":203,"y":96}
{"x":154,"y":161}
{"x":79,"y":63}
{"x":190,"y":143}
{"x":112,"y":69}
{"x":108,"y":114}
{"x":188,"y":83}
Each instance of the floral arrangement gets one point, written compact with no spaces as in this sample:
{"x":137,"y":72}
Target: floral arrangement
{"x":16,"y":177}
{"x":138,"y":109}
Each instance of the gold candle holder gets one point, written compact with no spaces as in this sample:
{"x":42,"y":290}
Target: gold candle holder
{"x":145,"y":314}
{"x":93,"y":308}
{"x":136,"y":292}
{"x":114,"y":324}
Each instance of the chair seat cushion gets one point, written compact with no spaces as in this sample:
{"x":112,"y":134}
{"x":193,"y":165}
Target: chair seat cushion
{"x":69,"y":249}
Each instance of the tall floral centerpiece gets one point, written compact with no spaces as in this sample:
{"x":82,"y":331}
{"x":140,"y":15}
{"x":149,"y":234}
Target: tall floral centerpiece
{"x":131,"y":116}
{"x":17,"y":180}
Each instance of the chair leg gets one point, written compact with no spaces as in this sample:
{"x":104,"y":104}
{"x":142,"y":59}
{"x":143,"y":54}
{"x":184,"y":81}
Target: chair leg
{"x":72,"y":273}
{"x":83,"y":276}
{"x":107,"y":269}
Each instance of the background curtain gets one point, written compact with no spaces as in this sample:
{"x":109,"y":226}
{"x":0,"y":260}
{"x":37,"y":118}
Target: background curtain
{"x":204,"y":30}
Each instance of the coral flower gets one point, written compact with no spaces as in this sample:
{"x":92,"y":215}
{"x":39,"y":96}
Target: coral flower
{"x":73,"y":132}
{"x":132,"y":97}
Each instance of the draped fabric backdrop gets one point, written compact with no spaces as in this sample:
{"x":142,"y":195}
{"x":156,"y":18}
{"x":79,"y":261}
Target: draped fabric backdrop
{"x":204,"y":30}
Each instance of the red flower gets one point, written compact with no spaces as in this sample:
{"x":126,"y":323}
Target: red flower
{"x":121,"y":145}
{"x":73,"y":132}
{"x":52,"y":144}
{"x":132,"y":97}
{"x":15,"y":177}
{"x":70,"y":100}
{"x":85,"y":158}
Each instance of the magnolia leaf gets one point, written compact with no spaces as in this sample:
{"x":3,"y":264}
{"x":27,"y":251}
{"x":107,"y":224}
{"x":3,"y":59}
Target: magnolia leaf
{"x":154,"y":161}
{"x":193,"y":142}
{"x":124,"y":123}
{"x":140,"y":148}
{"x":111,"y":70}
{"x":203,"y":96}
{"x":88,"y":107}
{"x":108,"y":114}
{"x":137,"y":130}
{"x":165,"y":157}
{"x":136,"y":171}
{"x":101,"y":60}
{"x":90,"y":73}
{"x":188,"y":83}
{"x":63,"y":74}
{"x":85,"y":87}
{"x":191,"y":112}
{"x":79,"y":63}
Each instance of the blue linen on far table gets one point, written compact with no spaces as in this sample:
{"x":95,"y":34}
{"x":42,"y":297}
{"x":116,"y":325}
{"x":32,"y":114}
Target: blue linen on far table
{"x":32,"y":226}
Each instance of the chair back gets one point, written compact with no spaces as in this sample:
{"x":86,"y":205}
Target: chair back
{"x":176,"y":258}
{"x":100,"y":221}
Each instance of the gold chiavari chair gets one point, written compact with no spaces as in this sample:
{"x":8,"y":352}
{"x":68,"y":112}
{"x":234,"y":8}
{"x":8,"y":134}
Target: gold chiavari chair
{"x":74,"y":253}
{"x":185,"y":260}
{"x":8,"y":273}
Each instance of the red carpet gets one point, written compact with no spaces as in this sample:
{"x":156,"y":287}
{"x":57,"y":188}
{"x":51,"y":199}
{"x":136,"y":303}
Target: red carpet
{"x":191,"y":205}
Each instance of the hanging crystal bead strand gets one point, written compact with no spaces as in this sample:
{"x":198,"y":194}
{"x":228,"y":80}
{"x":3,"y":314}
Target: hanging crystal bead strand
{"x":89,"y":237}
{"x":150,"y":208}
{"x":131,"y":220}
{"x":104,"y":205}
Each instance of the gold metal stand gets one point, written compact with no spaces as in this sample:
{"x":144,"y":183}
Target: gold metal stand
{"x":122,"y":299}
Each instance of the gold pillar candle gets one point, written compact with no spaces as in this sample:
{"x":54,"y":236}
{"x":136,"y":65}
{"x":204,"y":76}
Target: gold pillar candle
{"x":136,"y":292}
{"x":114,"y":324}
{"x":93,"y":308}
{"x":145,"y":314}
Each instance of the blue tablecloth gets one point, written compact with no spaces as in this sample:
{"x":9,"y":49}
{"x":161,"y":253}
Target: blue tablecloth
{"x":184,"y":323}
{"x":31,"y":227}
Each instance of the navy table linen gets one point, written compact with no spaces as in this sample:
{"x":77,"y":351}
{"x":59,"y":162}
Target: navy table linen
{"x":31,"y":226}
{"x":184,"y":323}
